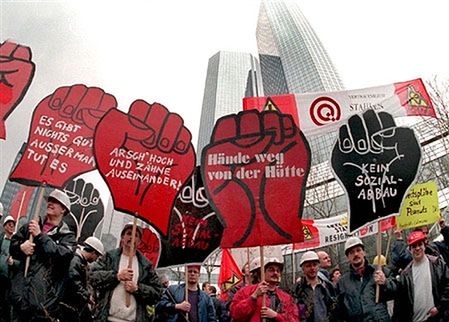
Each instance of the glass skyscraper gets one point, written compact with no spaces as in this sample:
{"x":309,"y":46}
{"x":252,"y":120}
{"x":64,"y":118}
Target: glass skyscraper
{"x":292,"y":58}
{"x":231,"y":76}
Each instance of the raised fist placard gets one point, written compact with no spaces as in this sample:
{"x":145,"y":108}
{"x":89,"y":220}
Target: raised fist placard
{"x":255,"y":171}
{"x":86,"y":209}
{"x":60,"y":142}
{"x":195,"y":230}
{"x":145,"y":157}
{"x":376,"y":162}
{"x":16,"y":74}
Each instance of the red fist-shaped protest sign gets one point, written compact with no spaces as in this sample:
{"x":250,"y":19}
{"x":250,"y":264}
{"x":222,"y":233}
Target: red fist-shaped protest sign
{"x":145,"y":157}
{"x":16,"y":73}
{"x":60,"y":142}
{"x":255,"y":171}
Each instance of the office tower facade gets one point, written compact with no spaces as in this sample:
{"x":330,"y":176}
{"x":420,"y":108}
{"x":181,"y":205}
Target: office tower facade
{"x":292,"y":58}
{"x":231,"y":76}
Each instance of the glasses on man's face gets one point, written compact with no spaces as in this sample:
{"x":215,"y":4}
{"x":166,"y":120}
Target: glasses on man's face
{"x":417,"y":245}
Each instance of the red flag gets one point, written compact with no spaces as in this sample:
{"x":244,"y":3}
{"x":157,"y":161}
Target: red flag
{"x":230,"y":274}
{"x":23,"y":198}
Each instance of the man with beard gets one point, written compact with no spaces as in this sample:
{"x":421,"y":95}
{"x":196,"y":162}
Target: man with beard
{"x":356,"y":289}
{"x":265,"y":299}
{"x":423,"y":288}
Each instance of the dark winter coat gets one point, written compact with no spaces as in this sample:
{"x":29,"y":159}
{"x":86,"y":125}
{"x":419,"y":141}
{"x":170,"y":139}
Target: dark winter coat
{"x":403,"y":304}
{"x":175,"y":294}
{"x":103,"y":277}
{"x":40,"y":292}
{"x":304,"y":295}
{"x":77,"y":295}
{"x":357,"y":296}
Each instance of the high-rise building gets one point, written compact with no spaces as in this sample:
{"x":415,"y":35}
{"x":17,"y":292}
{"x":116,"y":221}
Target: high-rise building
{"x":292,"y":58}
{"x":231,"y":76}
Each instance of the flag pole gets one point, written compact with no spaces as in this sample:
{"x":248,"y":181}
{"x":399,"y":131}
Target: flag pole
{"x":131,"y":256}
{"x":293,"y":266}
{"x":186,"y":280}
{"x":19,"y":212}
{"x":379,"y":253}
{"x":262,"y":275}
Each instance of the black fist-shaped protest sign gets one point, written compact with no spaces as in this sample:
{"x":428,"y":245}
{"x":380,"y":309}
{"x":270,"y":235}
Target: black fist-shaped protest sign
{"x":376,"y":162}
{"x":86,"y":210}
{"x":255,"y":170}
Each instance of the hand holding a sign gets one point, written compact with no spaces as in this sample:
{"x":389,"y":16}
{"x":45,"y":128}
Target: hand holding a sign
{"x":376,"y":162}
{"x":254,"y":170}
{"x":59,"y":145}
{"x":145,"y":157}
{"x":16,"y":73}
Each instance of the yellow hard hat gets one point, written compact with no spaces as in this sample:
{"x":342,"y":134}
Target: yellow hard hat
{"x":383,"y":260}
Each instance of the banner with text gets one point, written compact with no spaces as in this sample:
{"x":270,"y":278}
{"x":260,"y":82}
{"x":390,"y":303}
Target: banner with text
{"x":420,"y":207}
{"x":255,"y":171}
{"x":329,"y":231}
{"x":325,"y":112}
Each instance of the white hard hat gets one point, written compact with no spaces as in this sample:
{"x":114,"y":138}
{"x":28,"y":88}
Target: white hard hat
{"x":309,"y":256}
{"x":95,"y":244}
{"x":352,"y":242}
{"x":8,"y":218}
{"x":62,"y":198}
{"x":274,"y":261}
{"x":255,"y":264}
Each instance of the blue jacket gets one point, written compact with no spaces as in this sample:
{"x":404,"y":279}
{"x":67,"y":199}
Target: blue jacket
{"x":175,"y":294}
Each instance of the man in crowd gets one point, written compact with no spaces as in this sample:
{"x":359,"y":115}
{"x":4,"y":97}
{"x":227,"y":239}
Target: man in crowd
{"x":78,"y":297}
{"x":316,"y":297}
{"x":265,"y":299}
{"x":116,"y":283}
{"x":423,"y":288}
{"x":325,"y":264}
{"x":6,"y":263}
{"x":357,"y":288}
{"x":335,"y":276}
{"x":36,"y":296}
{"x":197,"y":307}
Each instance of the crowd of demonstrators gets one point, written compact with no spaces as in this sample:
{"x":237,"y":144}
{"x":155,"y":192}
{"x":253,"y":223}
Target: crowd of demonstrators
{"x":196,"y":306}
{"x":36,"y":294}
{"x":265,"y":300}
{"x":116,"y":282}
{"x":67,"y":285}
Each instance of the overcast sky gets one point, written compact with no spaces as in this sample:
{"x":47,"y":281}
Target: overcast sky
{"x":159,"y":50}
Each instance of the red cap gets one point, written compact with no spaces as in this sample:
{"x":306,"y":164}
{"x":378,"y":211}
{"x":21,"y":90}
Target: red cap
{"x":415,"y":237}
